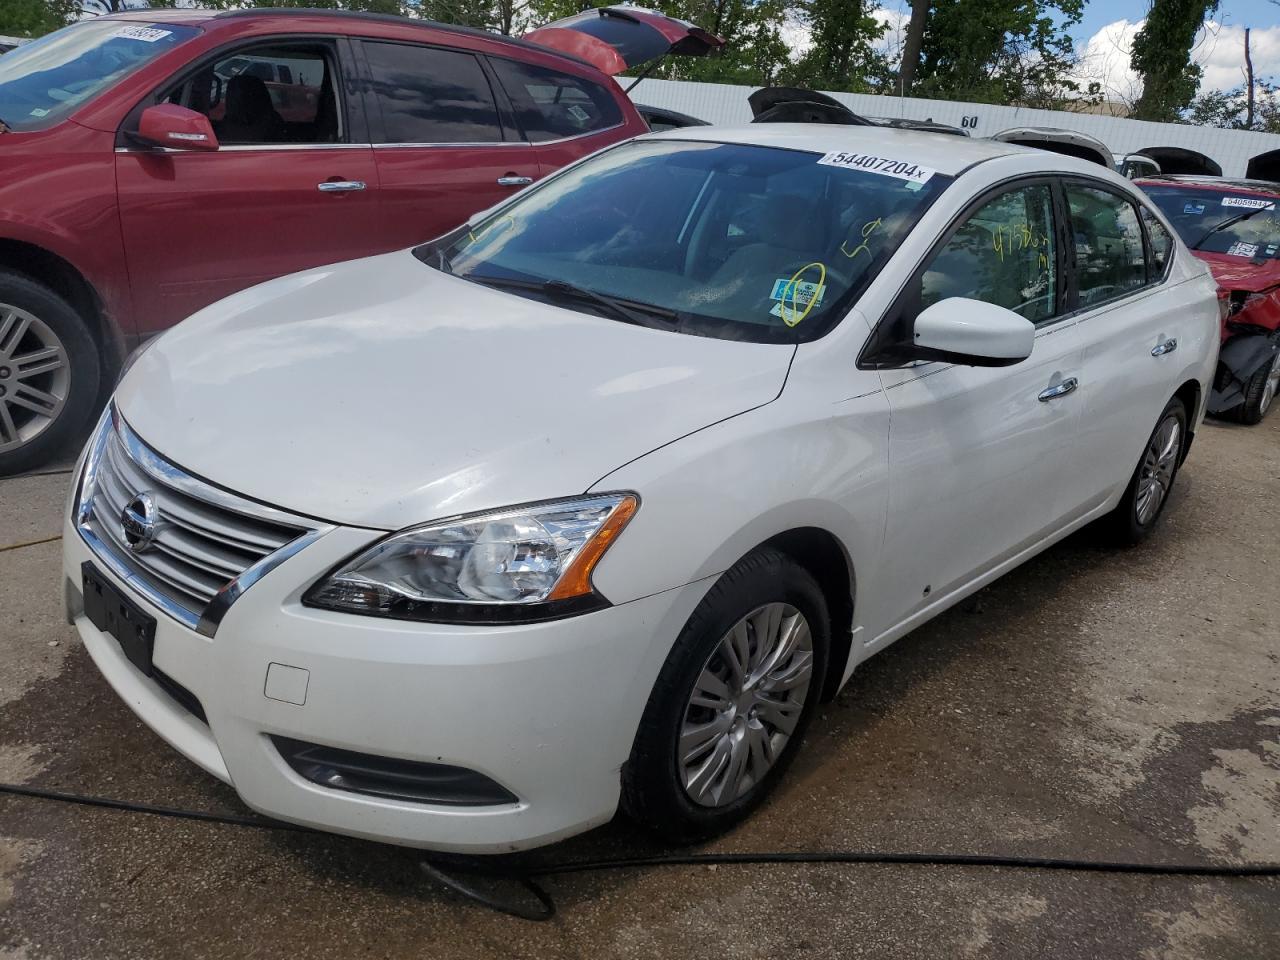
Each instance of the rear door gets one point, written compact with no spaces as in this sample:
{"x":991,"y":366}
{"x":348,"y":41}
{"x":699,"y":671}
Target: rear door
{"x":1132,"y":322}
{"x":444,"y":142}
{"x":293,"y":184}
{"x":565,"y":116}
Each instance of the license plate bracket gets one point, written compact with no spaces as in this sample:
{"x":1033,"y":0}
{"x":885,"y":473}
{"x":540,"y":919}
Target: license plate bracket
{"x":113,"y":613}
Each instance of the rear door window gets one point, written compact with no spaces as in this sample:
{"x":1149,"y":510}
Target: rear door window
{"x":430,"y":95}
{"x":1110,"y":259}
{"x":551,"y":105}
{"x":1161,"y":245}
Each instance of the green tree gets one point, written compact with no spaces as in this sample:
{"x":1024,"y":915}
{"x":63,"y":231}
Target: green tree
{"x":842,"y":56}
{"x":999,"y":51}
{"x":34,"y":18}
{"x":1161,"y":56}
{"x":1229,"y":109}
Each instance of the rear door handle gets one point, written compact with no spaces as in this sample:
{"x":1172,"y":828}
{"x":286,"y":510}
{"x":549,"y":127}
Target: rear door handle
{"x":1160,"y":349}
{"x":511,"y":180}
{"x":1060,"y":390}
{"x":340,"y":186}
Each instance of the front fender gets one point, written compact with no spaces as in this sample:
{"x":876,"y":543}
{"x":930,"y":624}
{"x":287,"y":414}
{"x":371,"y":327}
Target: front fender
{"x":710,"y":498}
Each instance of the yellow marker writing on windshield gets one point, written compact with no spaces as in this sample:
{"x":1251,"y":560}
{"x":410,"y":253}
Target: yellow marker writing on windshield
{"x":489,"y":226}
{"x":868,"y":228}
{"x":792,"y":290}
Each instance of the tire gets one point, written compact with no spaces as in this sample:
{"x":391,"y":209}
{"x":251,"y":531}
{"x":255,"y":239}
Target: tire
{"x":1136,"y":516}
{"x":748,"y":600}
{"x":44,"y":401}
{"x":1259,"y":394}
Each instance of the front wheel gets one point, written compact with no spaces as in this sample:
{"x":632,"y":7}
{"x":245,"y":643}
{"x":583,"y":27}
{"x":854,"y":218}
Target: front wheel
{"x":48,"y":373}
{"x":1144,"y":499}
{"x":732,"y":701}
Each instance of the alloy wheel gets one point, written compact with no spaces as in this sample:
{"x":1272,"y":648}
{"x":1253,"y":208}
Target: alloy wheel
{"x":1271,"y":386}
{"x":1159,"y":464}
{"x":35,"y":377}
{"x":745,"y":704}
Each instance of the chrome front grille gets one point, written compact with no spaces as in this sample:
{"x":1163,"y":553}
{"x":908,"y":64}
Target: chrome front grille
{"x":200,"y":546}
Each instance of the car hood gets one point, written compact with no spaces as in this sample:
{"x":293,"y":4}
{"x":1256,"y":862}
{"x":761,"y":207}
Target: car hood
{"x":383,"y":393}
{"x":1238,"y":273}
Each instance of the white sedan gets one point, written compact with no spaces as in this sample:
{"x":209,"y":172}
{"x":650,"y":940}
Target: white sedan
{"x":590,"y":503}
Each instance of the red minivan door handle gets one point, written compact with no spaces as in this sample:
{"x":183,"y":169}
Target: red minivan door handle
{"x":511,"y":180}
{"x":340,"y":186}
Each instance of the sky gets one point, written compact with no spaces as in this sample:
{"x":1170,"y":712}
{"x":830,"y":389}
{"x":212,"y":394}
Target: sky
{"x":1103,"y":36}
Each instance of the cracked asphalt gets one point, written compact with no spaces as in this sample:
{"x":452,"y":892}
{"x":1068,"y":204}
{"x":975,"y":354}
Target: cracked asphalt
{"x":1120,"y":705}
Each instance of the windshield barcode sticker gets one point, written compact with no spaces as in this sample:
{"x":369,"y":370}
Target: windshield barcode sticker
{"x":885,"y":166}
{"x":145,"y":34}
{"x":1242,"y":249}
{"x":1249,"y":203}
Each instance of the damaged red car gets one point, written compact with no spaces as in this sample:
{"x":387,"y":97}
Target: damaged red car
{"x":158,"y":160}
{"x":1234,"y":226}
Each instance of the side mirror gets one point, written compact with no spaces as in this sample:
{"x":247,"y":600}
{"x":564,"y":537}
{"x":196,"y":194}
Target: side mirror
{"x":973,"y":333}
{"x":175,"y":127}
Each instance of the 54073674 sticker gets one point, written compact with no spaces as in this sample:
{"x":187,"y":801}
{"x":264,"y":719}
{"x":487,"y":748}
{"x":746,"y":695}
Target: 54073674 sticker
{"x":894,"y":167}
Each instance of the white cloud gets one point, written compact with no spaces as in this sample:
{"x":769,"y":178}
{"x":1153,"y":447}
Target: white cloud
{"x":1219,"y":50}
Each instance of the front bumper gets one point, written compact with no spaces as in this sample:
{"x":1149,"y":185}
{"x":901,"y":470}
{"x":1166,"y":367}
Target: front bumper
{"x":548,"y":711}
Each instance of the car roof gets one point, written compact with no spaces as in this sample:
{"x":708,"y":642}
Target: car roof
{"x":199,"y":16}
{"x":944,"y":152}
{"x":1269,"y":187}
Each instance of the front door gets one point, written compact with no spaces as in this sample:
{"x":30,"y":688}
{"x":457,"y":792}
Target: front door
{"x":443,"y":150}
{"x":290,"y":187}
{"x":977,"y":454}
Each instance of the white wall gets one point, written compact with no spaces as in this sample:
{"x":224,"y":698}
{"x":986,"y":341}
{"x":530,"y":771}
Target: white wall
{"x":724,"y":103}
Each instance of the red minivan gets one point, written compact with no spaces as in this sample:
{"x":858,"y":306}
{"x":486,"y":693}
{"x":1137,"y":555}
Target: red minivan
{"x":153,"y":162}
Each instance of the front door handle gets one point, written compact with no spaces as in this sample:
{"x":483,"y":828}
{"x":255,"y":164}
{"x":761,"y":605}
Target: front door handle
{"x":511,"y":180}
{"x":1060,"y":390}
{"x":340,"y":186}
{"x":1160,"y":349}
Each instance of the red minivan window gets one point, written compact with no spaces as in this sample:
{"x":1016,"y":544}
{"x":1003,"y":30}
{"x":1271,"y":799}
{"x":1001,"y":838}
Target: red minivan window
{"x":43,"y":81}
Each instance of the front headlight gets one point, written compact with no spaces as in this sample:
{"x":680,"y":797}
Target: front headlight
{"x":518,"y":565}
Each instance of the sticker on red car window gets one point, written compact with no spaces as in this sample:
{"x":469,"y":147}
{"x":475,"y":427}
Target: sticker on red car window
{"x":1242,"y":249}
{"x":885,"y":166}
{"x":145,"y":34}
{"x":1249,"y":203}
{"x":1196,"y":208}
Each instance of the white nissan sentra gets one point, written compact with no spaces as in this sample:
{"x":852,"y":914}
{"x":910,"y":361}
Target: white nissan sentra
{"x":591,"y":503}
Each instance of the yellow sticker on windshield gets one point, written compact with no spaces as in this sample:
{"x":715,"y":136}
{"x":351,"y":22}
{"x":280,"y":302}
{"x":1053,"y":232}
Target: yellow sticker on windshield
{"x":791,"y":296}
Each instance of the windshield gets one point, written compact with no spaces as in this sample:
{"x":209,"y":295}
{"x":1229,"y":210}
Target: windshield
{"x":722,"y":240}
{"x":43,"y":81}
{"x":1252,"y":230}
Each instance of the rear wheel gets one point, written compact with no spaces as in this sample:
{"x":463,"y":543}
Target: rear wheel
{"x":1148,"y":492}
{"x":49,"y":373}
{"x":732,"y":701}
{"x":1260,"y":393}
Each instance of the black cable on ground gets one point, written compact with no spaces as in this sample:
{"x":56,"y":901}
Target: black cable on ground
{"x":29,"y":543}
{"x":258,"y":823}
{"x":458,"y":873}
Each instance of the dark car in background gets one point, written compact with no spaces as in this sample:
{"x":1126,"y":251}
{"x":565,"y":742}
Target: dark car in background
{"x":158,"y":160}
{"x":1234,"y":226}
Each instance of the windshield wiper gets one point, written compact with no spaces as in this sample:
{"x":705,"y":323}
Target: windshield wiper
{"x":628,"y":311}
{"x":1229,"y":222}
